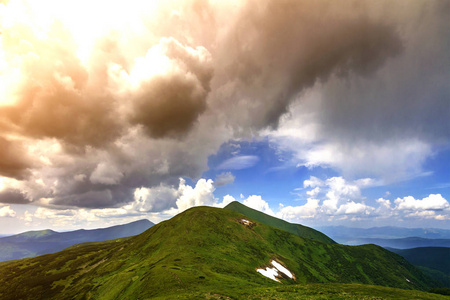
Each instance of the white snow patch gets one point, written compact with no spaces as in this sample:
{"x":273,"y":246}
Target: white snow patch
{"x":272,"y":273}
{"x":281,"y":268}
{"x":269,"y":273}
{"x":247,"y":222}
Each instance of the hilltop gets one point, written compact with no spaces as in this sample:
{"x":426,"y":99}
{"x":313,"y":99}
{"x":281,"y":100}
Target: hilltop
{"x":297,"y":229}
{"x":205,"y":251}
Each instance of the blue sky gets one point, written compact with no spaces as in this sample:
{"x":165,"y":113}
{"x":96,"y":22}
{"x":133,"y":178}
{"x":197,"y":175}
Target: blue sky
{"x":317,"y":112}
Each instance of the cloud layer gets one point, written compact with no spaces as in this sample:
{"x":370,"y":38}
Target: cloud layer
{"x":336,"y":199}
{"x":93,"y":114}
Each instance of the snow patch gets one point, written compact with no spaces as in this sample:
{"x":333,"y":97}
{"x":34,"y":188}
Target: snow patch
{"x":247,"y":222}
{"x":272,"y":273}
{"x":282,"y":269}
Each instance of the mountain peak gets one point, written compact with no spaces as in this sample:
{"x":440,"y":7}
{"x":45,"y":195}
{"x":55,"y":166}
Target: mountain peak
{"x":297,"y":229}
{"x":202,"y":250}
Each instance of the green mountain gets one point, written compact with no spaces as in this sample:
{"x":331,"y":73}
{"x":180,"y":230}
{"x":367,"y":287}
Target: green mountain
{"x":212,"y":253}
{"x":433,"y":261}
{"x":297,"y":229}
{"x":33,"y":243}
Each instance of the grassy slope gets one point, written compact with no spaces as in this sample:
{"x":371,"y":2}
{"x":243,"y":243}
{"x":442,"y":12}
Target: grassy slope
{"x":433,"y":261}
{"x":432,"y":257}
{"x":297,"y":229}
{"x":203,"y":251}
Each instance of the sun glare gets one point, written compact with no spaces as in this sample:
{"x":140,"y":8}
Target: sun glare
{"x":77,"y":25}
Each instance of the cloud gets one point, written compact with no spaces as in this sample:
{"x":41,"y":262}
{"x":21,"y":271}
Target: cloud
{"x":14,"y":161}
{"x":329,"y":198}
{"x":92,"y":111}
{"x":156,"y":203}
{"x":227,"y":199}
{"x":386,"y":124}
{"x":307,"y":211}
{"x":201,"y":194}
{"x":278,"y":50}
{"x":432,"y":202}
{"x":13,"y":196}
{"x":338,"y":199}
{"x":313,"y":182}
{"x":224,"y":179}
{"x":239,"y":162}
{"x":256,"y":202}
{"x":167,"y":101}
{"x":6,"y":211}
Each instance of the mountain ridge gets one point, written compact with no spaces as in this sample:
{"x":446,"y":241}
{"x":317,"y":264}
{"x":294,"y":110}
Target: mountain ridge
{"x":297,"y":229}
{"x":32,"y":243}
{"x":202,"y":251}
{"x":384,"y":232}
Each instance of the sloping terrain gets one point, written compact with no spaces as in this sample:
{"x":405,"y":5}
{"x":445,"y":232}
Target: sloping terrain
{"x":202,"y":251}
{"x":434,"y":261}
{"x":33,"y":243}
{"x":297,"y":229}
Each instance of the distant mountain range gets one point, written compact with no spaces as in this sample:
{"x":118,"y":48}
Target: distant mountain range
{"x":403,"y":243}
{"x":33,"y":243}
{"x":393,"y":237}
{"x":212,"y":253}
{"x":386,"y":232}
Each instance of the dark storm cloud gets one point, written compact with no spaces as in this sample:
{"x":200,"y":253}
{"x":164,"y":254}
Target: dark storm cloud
{"x":409,"y":97}
{"x":13,"y":196}
{"x":276,"y":49}
{"x":387,"y":122}
{"x":13,"y":159}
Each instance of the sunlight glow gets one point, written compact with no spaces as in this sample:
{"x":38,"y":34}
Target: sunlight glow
{"x":29,"y":28}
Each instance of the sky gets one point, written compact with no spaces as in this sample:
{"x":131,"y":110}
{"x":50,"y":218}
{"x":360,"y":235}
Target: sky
{"x":316,"y":112}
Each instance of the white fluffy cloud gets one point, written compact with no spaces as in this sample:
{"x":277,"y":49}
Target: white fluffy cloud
{"x":201,"y":194}
{"x":256,"y":202}
{"x":338,"y":198}
{"x":6,"y":211}
{"x":157,"y":203}
{"x":432,"y":202}
{"x":326,"y":198}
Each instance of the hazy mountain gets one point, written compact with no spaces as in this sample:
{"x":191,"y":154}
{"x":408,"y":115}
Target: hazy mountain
{"x":386,"y":232}
{"x":297,"y":229}
{"x":404,"y":243}
{"x":32,"y":243}
{"x":211,"y":253}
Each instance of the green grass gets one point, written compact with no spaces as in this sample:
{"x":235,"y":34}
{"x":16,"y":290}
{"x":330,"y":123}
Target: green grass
{"x":206,"y":252}
{"x":316,"y":291}
{"x":297,"y":229}
{"x":433,"y":261}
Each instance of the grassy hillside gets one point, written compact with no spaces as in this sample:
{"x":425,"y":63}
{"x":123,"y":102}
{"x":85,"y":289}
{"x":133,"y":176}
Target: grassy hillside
{"x":297,"y":229}
{"x":434,"y":261}
{"x":33,"y":243}
{"x":203,"y":251}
